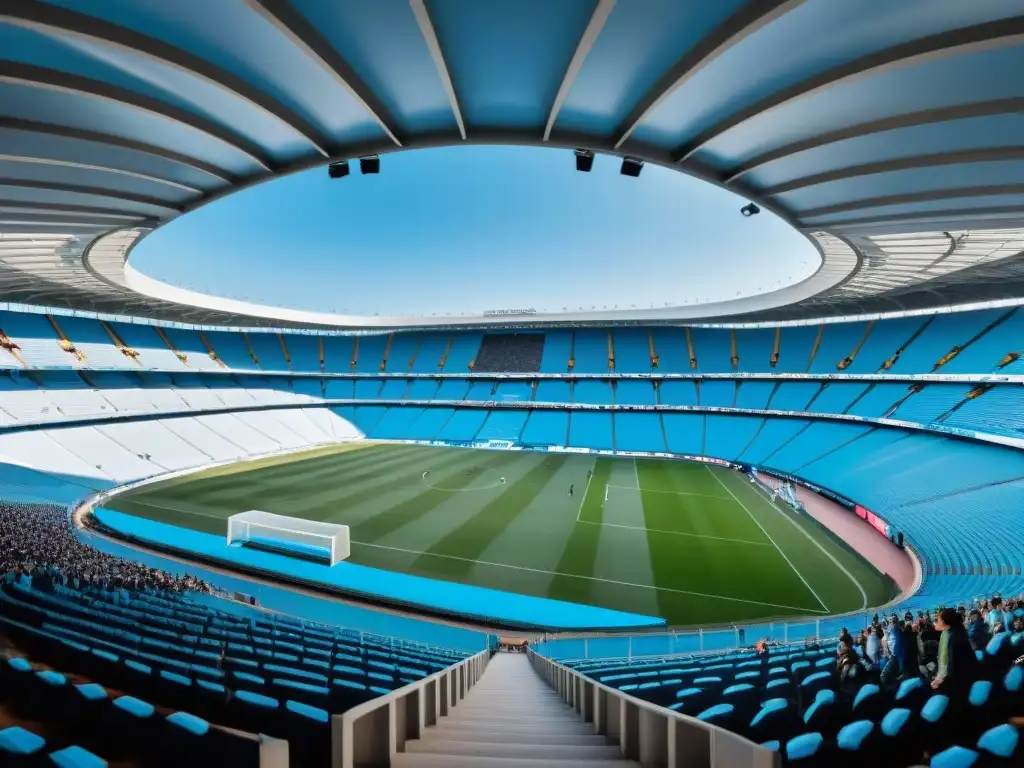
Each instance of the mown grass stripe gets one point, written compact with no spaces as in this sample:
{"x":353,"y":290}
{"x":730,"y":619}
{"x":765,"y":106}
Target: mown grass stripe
{"x":473,"y":537}
{"x":405,"y":512}
{"x":580,"y":553}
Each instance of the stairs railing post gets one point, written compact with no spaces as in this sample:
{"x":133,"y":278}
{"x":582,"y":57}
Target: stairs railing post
{"x":443,"y":708}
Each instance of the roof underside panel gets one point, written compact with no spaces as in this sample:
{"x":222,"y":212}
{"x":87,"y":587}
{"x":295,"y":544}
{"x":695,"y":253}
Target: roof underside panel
{"x":868,"y":125}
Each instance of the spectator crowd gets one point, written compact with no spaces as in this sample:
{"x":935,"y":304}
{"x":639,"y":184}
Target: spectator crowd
{"x":37,"y":540}
{"x":939,"y":647}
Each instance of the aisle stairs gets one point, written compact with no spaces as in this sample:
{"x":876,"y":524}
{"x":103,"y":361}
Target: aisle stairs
{"x":511,"y":719}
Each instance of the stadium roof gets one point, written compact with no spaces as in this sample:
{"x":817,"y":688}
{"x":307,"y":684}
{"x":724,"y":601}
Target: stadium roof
{"x":858,"y":122}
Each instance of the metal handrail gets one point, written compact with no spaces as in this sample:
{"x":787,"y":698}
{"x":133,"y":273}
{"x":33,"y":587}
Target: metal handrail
{"x":648,"y":733}
{"x":375,"y":731}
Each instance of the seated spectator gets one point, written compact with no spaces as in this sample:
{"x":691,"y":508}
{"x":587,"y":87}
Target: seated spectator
{"x":997,"y":620}
{"x":848,"y":667}
{"x":38,"y":540}
{"x":957,"y":664}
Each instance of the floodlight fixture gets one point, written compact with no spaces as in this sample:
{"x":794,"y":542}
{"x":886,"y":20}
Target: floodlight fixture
{"x":631,"y":166}
{"x":369,"y":164}
{"x":338,"y":170}
{"x":749,"y":210}
{"x":584,"y":160}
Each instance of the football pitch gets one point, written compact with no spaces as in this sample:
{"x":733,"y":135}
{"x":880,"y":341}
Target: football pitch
{"x":693,"y":543}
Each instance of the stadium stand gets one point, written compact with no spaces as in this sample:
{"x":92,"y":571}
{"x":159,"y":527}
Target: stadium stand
{"x":509,"y":353}
{"x":827,"y":703}
{"x":75,"y":405}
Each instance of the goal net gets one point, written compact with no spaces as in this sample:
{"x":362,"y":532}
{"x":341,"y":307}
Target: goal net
{"x":308,"y":539}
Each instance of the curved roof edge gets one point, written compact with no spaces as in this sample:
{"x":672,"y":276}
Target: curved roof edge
{"x":839,"y":262}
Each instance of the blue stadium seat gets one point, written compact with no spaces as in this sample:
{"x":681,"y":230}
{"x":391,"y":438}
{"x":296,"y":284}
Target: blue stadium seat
{"x":775,"y":720}
{"x":186,"y":740}
{"x":854,"y":741}
{"x":1003,"y":742}
{"x":129,"y":725}
{"x":804,"y":748}
{"x":20,"y":748}
{"x":76,"y":757}
{"x":308,"y":732}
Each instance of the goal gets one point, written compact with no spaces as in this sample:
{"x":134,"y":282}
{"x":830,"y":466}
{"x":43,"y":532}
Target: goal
{"x":308,"y":539}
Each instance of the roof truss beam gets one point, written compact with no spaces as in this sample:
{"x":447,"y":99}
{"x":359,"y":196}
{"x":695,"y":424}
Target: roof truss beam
{"x":950,"y":214}
{"x":35,"y":160}
{"x":79,"y":189}
{"x":731,"y":32}
{"x":63,"y":21}
{"x":426,"y":24}
{"x":908,"y":120}
{"x":955,"y":42}
{"x":958,"y":157}
{"x":300,"y":32}
{"x":602,"y":10}
{"x":913,"y":197}
{"x":53,"y":79}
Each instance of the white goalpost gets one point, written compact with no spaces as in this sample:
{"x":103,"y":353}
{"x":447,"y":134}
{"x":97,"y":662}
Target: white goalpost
{"x":291,"y":535}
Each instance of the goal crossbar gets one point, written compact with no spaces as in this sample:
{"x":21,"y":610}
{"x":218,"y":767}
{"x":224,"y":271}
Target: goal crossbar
{"x":308,"y":539}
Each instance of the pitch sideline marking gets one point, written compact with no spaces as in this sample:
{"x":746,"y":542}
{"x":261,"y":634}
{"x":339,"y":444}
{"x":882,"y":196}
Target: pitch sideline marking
{"x":677,"y":533}
{"x":758,"y":523}
{"x":816,"y":543}
{"x":172,"y":508}
{"x":587,"y":488}
{"x":539,"y":570}
{"x":674,"y":493}
{"x":588,"y":578}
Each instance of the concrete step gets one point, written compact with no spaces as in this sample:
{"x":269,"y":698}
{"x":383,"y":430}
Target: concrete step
{"x":525,"y":714}
{"x":548,"y":751}
{"x":575,"y":729}
{"x":424,"y":760}
{"x":492,"y":735}
{"x":517,"y":709}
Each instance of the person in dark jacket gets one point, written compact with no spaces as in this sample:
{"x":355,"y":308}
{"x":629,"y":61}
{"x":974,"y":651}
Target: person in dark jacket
{"x":957,"y":664}
{"x":977,"y":630}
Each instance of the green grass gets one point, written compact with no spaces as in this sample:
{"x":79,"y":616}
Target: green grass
{"x":694,"y":543}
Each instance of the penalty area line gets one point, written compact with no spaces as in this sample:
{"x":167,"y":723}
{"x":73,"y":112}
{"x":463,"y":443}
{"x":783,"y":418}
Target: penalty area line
{"x":586,"y":488}
{"x":588,"y":578}
{"x":169,"y":508}
{"x":765,"y":532}
{"x":671,"y":493}
{"x":829,"y":555}
{"x":677,"y":533}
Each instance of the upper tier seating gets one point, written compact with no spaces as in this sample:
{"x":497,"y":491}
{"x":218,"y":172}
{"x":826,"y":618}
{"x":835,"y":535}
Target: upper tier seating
{"x":509,"y":352}
{"x":981,"y":341}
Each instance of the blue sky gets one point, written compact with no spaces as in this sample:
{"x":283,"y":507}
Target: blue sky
{"x":466,"y":229}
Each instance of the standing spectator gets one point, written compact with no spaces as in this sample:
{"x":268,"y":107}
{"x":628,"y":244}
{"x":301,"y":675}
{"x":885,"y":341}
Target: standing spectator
{"x":873,"y":645}
{"x":996,"y":618}
{"x":977,"y":630}
{"x":957,"y":664}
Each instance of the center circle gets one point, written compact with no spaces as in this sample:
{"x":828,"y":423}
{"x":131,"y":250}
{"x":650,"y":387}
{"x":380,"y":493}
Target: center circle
{"x":475,"y":478}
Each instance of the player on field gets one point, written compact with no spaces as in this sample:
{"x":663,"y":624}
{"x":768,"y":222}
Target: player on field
{"x":570,"y":491}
